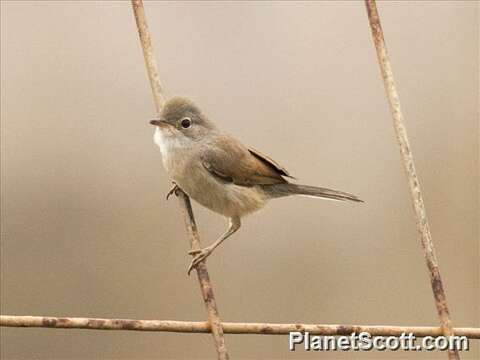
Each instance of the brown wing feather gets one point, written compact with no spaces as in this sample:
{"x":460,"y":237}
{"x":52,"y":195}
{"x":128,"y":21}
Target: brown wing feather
{"x":230,"y":161}
{"x":270,"y":162}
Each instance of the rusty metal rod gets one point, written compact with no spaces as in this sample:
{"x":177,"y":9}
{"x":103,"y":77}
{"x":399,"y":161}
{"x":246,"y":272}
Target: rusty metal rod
{"x":228,"y":327}
{"x":408,"y":163}
{"x":215,"y":326}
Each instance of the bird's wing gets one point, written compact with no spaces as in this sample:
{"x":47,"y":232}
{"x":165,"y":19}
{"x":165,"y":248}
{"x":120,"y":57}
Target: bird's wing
{"x":270,"y":162}
{"x":230,"y":161}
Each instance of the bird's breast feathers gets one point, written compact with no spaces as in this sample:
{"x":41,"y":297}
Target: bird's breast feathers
{"x":226,"y":199}
{"x":171,"y":148}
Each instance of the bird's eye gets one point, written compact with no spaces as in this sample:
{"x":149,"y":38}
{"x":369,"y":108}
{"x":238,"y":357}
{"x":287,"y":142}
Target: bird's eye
{"x":186,"y":123}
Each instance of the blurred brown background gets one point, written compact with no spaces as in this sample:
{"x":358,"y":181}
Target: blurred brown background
{"x":86,"y":230}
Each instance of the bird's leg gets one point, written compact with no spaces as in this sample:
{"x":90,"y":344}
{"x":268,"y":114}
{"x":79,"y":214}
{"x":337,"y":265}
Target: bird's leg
{"x":173,"y":190}
{"x":202,"y":254}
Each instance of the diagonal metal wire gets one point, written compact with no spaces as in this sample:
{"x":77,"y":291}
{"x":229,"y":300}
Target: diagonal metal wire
{"x":413,"y":182}
{"x":201,"y":269}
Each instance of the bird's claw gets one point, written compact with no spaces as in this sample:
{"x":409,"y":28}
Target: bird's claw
{"x":194,"y":251}
{"x":173,"y":190}
{"x":200,"y":255}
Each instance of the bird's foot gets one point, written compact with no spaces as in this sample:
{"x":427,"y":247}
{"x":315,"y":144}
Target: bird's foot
{"x":200,"y":255}
{"x":173,"y":190}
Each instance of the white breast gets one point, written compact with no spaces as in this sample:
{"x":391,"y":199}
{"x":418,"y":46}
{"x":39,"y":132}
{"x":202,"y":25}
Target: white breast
{"x":226,"y":199}
{"x":169,"y":147}
{"x":161,"y":141}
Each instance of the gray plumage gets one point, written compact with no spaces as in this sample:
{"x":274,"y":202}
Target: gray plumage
{"x":281,"y":190}
{"x":219,"y":172}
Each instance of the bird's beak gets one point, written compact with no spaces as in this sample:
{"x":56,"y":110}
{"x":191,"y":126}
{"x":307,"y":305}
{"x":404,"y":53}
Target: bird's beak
{"x":159,"y":123}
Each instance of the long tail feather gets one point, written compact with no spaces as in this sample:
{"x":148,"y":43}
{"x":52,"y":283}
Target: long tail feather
{"x":287,"y":189}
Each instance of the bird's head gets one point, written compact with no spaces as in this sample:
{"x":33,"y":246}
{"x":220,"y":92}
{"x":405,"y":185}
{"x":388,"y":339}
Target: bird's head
{"x":182,"y":119}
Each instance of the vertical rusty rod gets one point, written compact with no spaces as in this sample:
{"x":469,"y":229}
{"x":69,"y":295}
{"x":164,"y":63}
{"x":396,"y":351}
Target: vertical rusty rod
{"x":408,"y":163}
{"x":203,"y":278}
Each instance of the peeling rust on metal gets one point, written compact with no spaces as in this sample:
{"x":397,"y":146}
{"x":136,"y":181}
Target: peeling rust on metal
{"x":159,"y":100}
{"x":229,"y":327}
{"x":409,"y":166}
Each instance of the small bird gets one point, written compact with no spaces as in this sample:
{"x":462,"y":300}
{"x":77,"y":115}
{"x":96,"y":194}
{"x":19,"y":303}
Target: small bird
{"x":219,"y":172}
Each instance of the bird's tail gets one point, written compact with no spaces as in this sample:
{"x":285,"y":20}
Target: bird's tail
{"x":287,"y":189}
